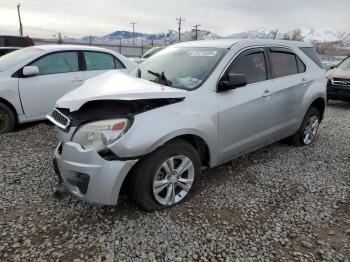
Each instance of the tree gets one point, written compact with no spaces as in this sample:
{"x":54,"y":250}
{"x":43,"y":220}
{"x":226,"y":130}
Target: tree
{"x":295,"y":35}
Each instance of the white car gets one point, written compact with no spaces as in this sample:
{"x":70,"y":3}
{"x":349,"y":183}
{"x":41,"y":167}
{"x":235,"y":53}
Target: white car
{"x":34,"y":78}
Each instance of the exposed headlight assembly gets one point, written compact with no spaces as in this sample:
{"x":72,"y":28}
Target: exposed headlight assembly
{"x":98,"y":135}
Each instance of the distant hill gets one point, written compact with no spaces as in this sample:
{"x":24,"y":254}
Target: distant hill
{"x":320,"y":35}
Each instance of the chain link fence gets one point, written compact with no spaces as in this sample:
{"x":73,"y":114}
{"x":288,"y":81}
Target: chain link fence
{"x":124,"y":49}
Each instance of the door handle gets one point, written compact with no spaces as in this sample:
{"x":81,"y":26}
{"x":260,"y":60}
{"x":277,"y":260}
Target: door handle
{"x":267,"y":93}
{"x":303,"y":81}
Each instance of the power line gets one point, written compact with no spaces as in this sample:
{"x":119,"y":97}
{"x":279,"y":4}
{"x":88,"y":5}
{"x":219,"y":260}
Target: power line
{"x":196,"y":30}
{"x":180,"y":20}
{"x":19,"y":19}
{"x":133,"y":32}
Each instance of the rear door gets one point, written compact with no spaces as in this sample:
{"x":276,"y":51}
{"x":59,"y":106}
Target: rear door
{"x":97,"y":63}
{"x":59,"y":73}
{"x":290,"y":84}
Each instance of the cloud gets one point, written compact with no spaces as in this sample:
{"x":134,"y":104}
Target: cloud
{"x":84,"y":17}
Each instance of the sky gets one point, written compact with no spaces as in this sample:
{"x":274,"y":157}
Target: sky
{"x":76,"y":18}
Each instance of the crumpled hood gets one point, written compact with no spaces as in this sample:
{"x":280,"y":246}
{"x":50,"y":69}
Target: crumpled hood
{"x":116,"y":86}
{"x":339,"y":73}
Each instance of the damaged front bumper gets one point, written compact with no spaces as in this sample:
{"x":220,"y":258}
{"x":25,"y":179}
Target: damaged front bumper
{"x":88,"y":176}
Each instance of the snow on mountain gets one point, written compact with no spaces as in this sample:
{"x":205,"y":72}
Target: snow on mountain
{"x":320,"y":35}
{"x":170,"y":37}
{"x":258,"y":33}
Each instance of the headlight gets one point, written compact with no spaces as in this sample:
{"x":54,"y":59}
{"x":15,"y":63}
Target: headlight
{"x":97,"y":135}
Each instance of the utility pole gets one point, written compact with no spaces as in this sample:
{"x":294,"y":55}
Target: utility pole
{"x":20,"y":22}
{"x":196,"y":30}
{"x":90,"y":39}
{"x":180,"y":19}
{"x":133,"y":32}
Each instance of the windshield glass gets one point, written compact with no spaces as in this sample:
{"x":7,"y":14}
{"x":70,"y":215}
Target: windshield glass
{"x":151,"y":52}
{"x":345,"y":65}
{"x":180,"y":67}
{"x":17,"y":57}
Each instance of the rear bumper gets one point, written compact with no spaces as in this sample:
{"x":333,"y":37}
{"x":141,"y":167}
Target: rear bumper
{"x":88,"y":176}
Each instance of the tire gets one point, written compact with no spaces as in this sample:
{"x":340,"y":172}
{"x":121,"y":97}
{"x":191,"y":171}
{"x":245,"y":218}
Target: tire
{"x":7,"y":119}
{"x":151,"y":172}
{"x":300,"y":137}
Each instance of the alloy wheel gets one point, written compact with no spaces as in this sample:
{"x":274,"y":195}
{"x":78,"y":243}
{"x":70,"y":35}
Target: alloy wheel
{"x":310,"y":129}
{"x":173,"y":180}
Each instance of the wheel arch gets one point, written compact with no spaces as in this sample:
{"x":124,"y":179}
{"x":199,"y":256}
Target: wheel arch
{"x":12,"y":108}
{"x":320,"y":104}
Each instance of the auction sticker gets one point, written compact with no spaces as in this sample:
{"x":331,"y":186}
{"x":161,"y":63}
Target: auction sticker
{"x":202,"y":52}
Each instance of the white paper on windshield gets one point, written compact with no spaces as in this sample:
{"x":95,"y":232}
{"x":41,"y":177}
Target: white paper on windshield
{"x":202,"y":52}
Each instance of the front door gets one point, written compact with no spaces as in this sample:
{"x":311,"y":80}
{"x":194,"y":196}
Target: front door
{"x":245,"y":114}
{"x":59,"y":73}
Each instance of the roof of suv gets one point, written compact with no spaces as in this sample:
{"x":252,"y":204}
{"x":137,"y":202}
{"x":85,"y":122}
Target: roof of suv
{"x":228,"y":43}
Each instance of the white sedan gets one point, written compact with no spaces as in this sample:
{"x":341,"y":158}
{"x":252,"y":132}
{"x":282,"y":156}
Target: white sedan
{"x":34,"y":78}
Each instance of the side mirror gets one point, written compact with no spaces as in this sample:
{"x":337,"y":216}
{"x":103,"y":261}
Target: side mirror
{"x":333,"y":66}
{"x":30,"y":70}
{"x":232,"y":81}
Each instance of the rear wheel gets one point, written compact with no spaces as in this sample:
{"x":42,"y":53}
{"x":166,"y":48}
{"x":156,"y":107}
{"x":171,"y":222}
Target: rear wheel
{"x":7,"y":119}
{"x":309,"y":128}
{"x":166,"y":177}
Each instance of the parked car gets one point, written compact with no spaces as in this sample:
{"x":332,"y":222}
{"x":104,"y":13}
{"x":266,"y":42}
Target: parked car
{"x":329,"y":65}
{"x":6,"y":50}
{"x":148,"y":54}
{"x":193,"y":105}
{"x":15,"y":41}
{"x":338,"y":87}
{"x":33,"y":78}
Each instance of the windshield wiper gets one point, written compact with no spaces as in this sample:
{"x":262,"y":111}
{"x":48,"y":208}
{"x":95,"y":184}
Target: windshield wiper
{"x":160,"y":78}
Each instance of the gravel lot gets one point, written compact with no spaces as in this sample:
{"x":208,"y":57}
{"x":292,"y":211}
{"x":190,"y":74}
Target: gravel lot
{"x":280,"y":203}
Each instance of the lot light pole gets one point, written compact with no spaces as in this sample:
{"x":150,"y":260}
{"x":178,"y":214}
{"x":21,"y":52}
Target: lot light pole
{"x":20,"y":22}
{"x":133,"y":32}
{"x":180,"y":20}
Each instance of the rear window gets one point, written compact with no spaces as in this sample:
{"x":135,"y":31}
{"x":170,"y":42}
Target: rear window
{"x":311,"y":53}
{"x":283,"y":64}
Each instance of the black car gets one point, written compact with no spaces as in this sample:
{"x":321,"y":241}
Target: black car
{"x":338,"y":87}
{"x":6,"y":50}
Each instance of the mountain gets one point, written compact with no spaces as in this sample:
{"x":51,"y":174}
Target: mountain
{"x":170,"y":37}
{"x":320,"y":35}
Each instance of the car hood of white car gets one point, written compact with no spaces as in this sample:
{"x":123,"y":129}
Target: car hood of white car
{"x":116,"y":86}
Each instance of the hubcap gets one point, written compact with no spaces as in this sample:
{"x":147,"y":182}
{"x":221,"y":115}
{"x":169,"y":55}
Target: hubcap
{"x":173,"y":180}
{"x":310,"y":130}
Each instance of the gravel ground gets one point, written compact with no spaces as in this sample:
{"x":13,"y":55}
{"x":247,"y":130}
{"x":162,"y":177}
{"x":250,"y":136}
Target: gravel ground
{"x":280,"y":203}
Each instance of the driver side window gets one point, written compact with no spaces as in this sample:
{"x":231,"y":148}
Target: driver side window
{"x":253,"y":65}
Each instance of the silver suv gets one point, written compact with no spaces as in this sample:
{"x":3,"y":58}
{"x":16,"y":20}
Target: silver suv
{"x":191,"y":106}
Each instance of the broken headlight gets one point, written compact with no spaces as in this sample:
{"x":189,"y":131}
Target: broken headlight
{"x":98,"y":135}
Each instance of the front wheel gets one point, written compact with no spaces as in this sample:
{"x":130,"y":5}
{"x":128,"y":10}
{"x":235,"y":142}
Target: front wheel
{"x":308,"y":129}
{"x":7,"y":119}
{"x":166,"y":177}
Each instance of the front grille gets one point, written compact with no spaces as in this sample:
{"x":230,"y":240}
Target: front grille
{"x":58,"y":119}
{"x":341,"y":82}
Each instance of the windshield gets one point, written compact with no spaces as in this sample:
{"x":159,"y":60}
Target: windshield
{"x":345,"y":65}
{"x":180,"y":67}
{"x":17,"y":57}
{"x":151,"y":52}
